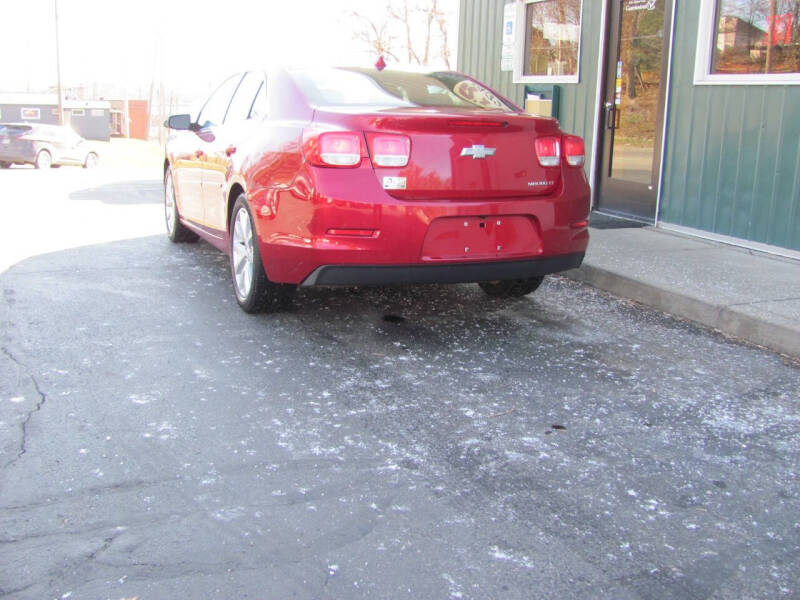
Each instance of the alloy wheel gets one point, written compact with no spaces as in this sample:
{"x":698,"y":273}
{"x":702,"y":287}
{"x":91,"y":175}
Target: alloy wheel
{"x":242,"y":251}
{"x":44,"y":160}
{"x":169,"y":205}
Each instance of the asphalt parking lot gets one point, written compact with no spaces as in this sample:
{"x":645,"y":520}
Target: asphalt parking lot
{"x":406,"y":442}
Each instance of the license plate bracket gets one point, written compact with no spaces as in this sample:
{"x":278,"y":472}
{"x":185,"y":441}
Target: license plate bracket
{"x":481,"y":237}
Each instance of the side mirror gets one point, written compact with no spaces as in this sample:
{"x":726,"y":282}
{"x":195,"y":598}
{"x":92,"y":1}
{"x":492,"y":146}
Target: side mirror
{"x":180,"y":122}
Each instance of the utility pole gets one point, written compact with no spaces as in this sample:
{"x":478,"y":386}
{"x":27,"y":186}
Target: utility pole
{"x":151,"y":99}
{"x":58,"y":71}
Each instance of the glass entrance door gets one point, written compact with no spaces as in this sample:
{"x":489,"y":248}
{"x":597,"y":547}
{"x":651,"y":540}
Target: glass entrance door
{"x":633,"y":110}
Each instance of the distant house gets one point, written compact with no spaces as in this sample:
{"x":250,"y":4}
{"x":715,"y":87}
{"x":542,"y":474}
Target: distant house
{"x":89,"y":118}
{"x":737,"y":34}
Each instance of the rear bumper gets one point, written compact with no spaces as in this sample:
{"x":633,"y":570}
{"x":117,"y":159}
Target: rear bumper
{"x":16,"y":157}
{"x":447,"y":273}
{"x":18,"y":151}
{"x":303,"y":235}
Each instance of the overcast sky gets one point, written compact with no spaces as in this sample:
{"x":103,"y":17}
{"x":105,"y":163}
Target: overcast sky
{"x":191,"y":44}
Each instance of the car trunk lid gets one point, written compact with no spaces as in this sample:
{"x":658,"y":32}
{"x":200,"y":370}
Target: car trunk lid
{"x":458,"y":154}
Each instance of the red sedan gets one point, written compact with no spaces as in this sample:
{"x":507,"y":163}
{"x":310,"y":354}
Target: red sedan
{"x":359,"y":176}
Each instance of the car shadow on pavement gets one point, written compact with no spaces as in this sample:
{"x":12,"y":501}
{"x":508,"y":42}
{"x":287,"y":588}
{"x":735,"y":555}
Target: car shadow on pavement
{"x":149,"y":191}
{"x":191,"y":283}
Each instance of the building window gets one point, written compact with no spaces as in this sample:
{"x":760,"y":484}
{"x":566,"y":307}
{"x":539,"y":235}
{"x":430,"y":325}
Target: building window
{"x":78,"y":112}
{"x":97,"y":112}
{"x":548,"y":44}
{"x":757,"y":41}
{"x":30,"y":113}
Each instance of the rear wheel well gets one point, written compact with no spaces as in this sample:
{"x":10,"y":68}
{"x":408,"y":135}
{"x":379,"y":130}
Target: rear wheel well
{"x":236,"y":191}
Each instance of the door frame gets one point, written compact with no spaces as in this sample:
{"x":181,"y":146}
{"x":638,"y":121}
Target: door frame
{"x":599,"y":119}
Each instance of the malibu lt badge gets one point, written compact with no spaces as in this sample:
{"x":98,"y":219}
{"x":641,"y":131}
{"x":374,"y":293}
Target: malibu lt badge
{"x":478,"y":151}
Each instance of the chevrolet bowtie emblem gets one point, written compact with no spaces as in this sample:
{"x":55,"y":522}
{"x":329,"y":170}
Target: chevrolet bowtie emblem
{"x":478,"y":151}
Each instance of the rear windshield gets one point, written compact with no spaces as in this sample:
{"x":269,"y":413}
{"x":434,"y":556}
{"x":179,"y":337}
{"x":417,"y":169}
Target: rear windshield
{"x":14,"y":130}
{"x":368,"y":87}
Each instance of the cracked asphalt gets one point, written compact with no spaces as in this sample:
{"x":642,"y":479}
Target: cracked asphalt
{"x":407,"y":442}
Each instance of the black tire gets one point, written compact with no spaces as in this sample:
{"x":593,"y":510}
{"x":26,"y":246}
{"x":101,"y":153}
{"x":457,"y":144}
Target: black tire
{"x":4,"y":165}
{"x":43,"y":160}
{"x":177,"y":232}
{"x":91,"y":161}
{"x":511,"y":288}
{"x":253,"y":290}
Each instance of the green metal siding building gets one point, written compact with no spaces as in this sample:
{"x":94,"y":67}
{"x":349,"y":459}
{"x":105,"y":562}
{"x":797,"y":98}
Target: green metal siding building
{"x":690,"y":109}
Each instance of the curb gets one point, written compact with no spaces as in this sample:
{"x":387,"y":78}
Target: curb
{"x":724,"y":318}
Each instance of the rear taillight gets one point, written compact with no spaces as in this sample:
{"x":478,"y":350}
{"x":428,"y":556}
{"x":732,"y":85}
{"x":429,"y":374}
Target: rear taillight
{"x":333,"y":148}
{"x":574,"y":150}
{"x":389,"y":150}
{"x":548,"y":151}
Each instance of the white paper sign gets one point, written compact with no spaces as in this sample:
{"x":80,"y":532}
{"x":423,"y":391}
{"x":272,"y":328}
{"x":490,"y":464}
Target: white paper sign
{"x":509,"y":25}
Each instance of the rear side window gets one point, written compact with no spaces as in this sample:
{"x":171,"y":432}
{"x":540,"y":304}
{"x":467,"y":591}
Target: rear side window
{"x":46,"y":133}
{"x":242,"y":102}
{"x":216,"y":106}
{"x":13,"y":130}
{"x":363,"y":87}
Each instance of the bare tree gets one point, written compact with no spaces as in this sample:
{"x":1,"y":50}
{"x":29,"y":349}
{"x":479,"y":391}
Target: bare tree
{"x":428,"y":14}
{"x":402,"y":15}
{"x":375,"y":35}
{"x":441,"y":21}
{"x":423,"y":17}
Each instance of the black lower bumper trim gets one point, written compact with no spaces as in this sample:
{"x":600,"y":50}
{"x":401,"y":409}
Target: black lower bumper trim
{"x":450,"y":273}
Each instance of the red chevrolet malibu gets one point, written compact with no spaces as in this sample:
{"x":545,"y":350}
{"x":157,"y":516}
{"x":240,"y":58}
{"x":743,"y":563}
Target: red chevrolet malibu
{"x":359,"y":176}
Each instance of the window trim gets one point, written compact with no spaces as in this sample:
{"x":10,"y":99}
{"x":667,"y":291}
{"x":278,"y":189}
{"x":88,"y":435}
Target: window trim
{"x":520,"y":34}
{"x":706,"y":31}
{"x":262,"y":76}
{"x":265,"y":86}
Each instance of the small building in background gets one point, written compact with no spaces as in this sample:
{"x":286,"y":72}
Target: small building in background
{"x":91,"y":119}
{"x":137,"y":115}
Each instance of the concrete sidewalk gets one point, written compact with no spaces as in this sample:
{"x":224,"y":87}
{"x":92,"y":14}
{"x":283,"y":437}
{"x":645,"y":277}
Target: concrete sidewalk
{"x":742,"y":293}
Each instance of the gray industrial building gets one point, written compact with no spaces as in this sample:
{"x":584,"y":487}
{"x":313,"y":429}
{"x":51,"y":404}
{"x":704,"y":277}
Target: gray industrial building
{"x":89,"y":118}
